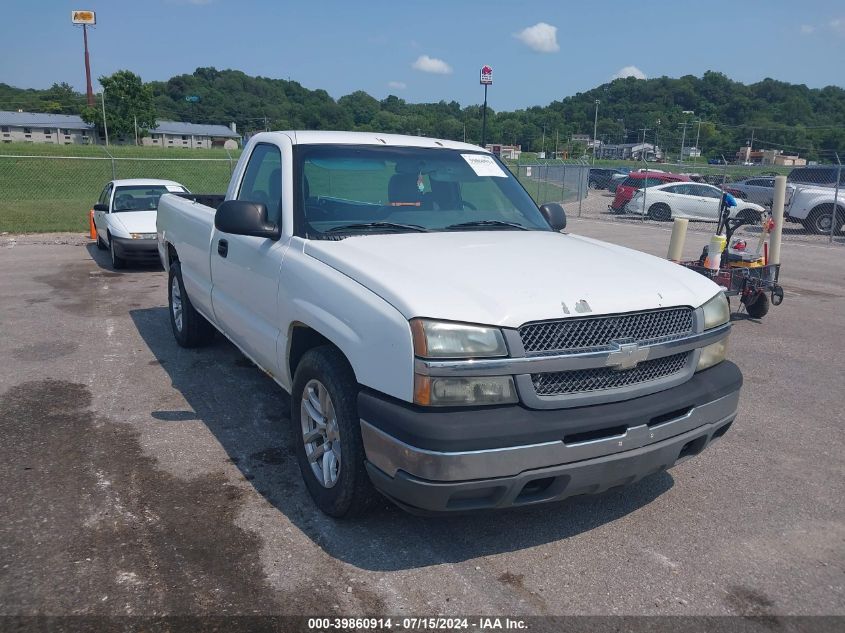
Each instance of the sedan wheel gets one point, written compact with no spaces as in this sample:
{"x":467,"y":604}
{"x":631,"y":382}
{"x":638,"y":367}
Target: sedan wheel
{"x":320,"y":434}
{"x":660,"y":212}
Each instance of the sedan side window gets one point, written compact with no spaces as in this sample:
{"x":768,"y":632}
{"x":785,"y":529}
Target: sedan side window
{"x":262,"y":181}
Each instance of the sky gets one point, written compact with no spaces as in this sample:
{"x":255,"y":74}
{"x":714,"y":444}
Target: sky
{"x":539,"y":50}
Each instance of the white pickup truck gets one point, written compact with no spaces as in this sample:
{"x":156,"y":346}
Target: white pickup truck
{"x":442,"y":341}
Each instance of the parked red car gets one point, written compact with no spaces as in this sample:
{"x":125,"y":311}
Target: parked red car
{"x":638,"y":180}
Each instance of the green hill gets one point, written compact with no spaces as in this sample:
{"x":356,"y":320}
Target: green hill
{"x":779,"y":115}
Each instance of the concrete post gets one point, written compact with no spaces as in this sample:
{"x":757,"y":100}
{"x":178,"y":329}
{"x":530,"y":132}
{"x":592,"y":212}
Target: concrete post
{"x":777,"y":216}
{"x":676,"y":242}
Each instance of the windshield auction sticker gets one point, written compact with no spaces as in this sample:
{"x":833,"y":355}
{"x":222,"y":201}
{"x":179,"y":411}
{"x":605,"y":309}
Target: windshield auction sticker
{"x":484,"y":165}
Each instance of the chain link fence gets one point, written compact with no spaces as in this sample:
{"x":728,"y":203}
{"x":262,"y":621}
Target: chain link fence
{"x":54,"y":193}
{"x":654,"y":193}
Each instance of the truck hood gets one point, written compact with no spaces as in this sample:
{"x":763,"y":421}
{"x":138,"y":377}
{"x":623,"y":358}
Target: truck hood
{"x":508,"y":278}
{"x":135,"y":221}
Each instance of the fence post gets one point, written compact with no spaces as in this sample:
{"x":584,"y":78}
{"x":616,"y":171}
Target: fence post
{"x":645,"y":190}
{"x":580,"y":185}
{"x":231,"y":165}
{"x":724,"y":169}
{"x":563,"y":183}
{"x":537,"y":176}
{"x":835,"y":209}
{"x":113,"y":168}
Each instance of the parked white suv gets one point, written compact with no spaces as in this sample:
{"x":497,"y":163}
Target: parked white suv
{"x":443,"y":343}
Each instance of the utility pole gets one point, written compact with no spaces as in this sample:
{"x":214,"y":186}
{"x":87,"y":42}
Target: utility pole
{"x":86,"y":19}
{"x":543,"y":145}
{"x":135,"y":116}
{"x":105,"y":125}
{"x":697,"y":148}
{"x":595,"y":131}
{"x":557,"y":141}
{"x":684,"y":134}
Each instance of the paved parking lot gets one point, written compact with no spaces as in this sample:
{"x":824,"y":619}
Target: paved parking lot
{"x":141,"y":478}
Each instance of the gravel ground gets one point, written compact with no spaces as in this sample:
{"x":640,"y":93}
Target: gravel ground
{"x":145,"y":479}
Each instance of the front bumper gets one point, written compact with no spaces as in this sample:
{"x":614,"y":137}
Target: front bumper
{"x":512,"y":456}
{"x":136,"y":250}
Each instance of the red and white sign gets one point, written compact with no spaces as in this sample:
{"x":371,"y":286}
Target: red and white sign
{"x":486,"y":75}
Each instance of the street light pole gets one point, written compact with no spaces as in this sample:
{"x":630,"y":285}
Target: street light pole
{"x":595,"y":130}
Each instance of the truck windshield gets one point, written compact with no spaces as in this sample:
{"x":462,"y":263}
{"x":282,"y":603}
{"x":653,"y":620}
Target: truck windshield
{"x":348,"y":189}
{"x":140,"y":198}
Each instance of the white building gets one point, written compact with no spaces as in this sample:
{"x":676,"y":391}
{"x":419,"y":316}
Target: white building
{"x":191,"y":135}
{"x":36,"y":127}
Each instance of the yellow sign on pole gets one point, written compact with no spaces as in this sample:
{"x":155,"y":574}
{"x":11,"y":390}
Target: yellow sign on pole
{"x":83,"y":17}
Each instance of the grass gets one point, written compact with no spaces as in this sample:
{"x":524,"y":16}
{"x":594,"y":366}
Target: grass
{"x":44,"y":192}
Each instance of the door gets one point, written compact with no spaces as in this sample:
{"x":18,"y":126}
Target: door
{"x":710,"y":199}
{"x":100,"y":217}
{"x":245,"y":270}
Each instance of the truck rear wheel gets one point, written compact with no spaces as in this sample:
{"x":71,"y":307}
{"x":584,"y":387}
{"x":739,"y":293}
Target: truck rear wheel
{"x":819,"y":220}
{"x":190,"y":328}
{"x":327,"y":434}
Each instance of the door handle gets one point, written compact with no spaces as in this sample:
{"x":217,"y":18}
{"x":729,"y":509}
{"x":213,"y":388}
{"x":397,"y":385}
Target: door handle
{"x":223,"y":248}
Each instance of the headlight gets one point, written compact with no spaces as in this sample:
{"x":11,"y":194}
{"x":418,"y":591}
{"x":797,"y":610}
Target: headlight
{"x":143,"y":236}
{"x":716,"y":311}
{"x":448,"y":391}
{"x":441,"y":339}
{"x":713,"y":354}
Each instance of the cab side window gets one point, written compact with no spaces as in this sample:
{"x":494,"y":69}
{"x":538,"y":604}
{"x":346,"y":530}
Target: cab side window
{"x":105,"y":195}
{"x":262,"y":181}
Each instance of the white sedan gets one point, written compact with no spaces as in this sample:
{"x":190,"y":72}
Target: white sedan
{"x":693,"y":200}
{"x":125,"y":218}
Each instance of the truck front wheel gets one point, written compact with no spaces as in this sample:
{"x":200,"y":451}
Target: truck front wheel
{"x":190,"y":328}
{"x":327,"y":434}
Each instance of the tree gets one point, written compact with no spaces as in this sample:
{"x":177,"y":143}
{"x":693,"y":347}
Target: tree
{"x":127,"y":99}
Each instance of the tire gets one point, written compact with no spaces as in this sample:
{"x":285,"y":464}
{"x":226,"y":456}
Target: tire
{"x":593,"y":184}
{"x":818,"y":221}
{"x":117,"y":262}
{"x":190,"y":328}
{"x":757,"y":305}
{"x":337,"y":480}
{"x":749,"y":214}
{"x":660,"y":212}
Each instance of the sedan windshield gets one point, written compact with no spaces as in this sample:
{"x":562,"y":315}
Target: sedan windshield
{"x":353,"y":190}
{"x":140,"y":198}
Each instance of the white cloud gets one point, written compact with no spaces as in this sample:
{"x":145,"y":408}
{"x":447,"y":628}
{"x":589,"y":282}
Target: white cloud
{"x":428,"y":64}
{"x":398,"y":85}
{"x":838,"y":25}
{"x":807,"y":29}
{"x":541,"y":37}
{"x":629,"y":71}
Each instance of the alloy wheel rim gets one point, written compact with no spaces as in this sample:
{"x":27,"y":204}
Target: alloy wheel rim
{"x":176,"y":302}
{"x":320,"y":434}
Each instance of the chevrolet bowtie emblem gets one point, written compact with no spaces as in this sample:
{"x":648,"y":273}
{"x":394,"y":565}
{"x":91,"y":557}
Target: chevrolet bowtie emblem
{"x":626,"y":356}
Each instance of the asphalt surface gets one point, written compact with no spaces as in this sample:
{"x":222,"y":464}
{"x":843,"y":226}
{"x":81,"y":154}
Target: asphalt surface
{"x":141,"y":478}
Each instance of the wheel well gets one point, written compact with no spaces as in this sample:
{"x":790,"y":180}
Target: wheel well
{"x":302,"y":339}
{"x":172,"y":256}
{"x":825,"y":208}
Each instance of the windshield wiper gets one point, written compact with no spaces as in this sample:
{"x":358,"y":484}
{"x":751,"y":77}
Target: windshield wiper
{"x":486,"y":223}
{"x":377,"y":225}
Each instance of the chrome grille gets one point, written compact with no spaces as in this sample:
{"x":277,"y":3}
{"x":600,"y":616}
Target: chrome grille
{"x":598,"y":333}
{"x":602,"y":378}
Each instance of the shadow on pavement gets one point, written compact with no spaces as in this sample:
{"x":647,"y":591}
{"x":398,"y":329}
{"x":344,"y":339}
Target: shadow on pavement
{"x":103,"y":260}
{"x":248,"y":413}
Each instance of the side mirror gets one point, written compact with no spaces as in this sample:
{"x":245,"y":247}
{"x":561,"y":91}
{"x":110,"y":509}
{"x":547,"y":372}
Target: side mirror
{"x":240,"y":217}
{"x":101,"y":207}
{"x":554,"y":215}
